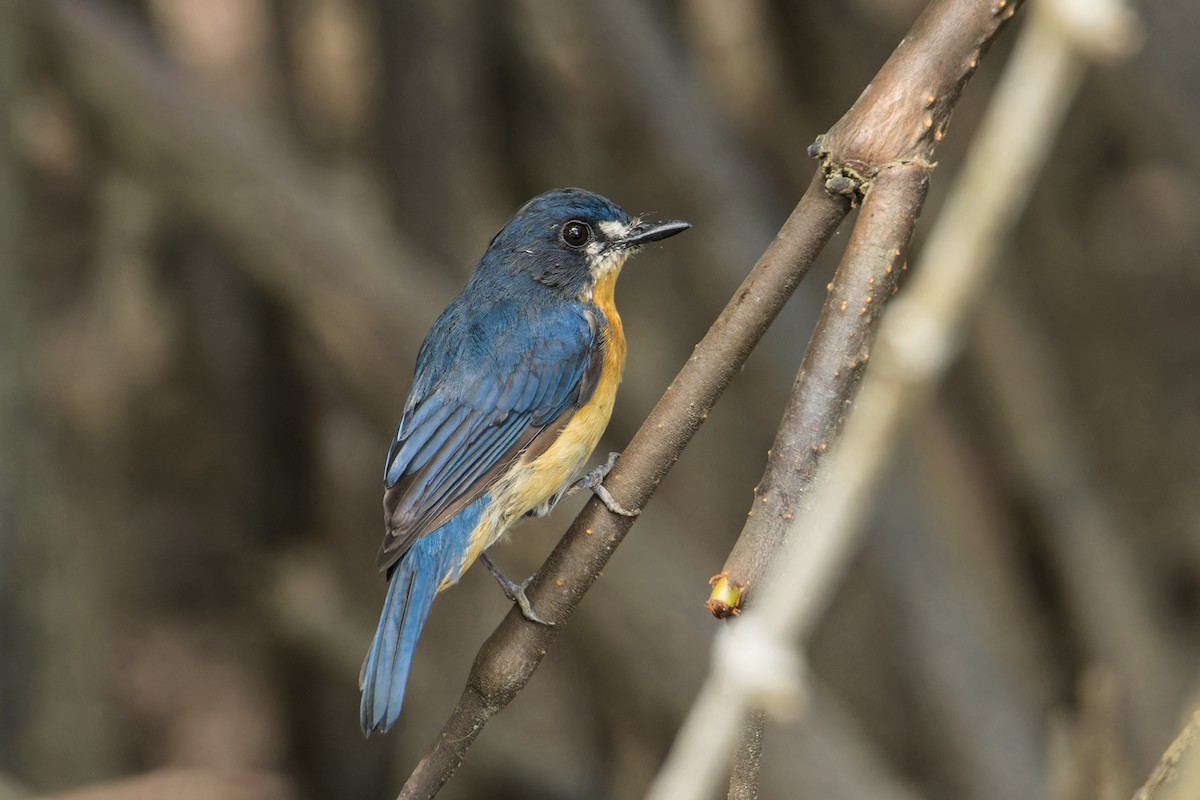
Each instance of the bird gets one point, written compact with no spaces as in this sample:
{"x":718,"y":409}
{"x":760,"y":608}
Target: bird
{"x":514,"y":385}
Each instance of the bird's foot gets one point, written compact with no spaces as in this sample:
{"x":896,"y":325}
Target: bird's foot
{"x":514,"y":591}
{"x":594,"y":480}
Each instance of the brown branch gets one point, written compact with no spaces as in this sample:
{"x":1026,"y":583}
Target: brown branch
{"x":895,"y":125}
{"x":362,"y":296}
{"x":511,"y":654}
{"x":747,"y":761}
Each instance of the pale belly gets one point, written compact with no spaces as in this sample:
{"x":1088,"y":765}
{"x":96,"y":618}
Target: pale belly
{"x":530,"y":484}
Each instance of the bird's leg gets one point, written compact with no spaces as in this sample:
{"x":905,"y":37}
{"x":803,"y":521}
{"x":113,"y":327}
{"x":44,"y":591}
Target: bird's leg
{"x":594,"y":481}
{"x":514,"y":591}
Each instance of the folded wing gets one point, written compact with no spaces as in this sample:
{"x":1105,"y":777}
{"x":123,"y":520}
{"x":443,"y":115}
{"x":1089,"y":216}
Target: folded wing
{"x":507,"y":380}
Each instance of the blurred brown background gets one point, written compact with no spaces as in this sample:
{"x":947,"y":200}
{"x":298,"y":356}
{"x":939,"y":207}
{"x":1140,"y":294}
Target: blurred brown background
{"x":225,"y":226}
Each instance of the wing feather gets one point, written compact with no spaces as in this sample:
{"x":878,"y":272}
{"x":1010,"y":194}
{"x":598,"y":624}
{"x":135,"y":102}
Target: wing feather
{"x":424,"y":447}
{"x":489,"y":382}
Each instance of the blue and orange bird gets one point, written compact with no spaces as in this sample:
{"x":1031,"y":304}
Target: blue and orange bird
{"x":514,"y":385}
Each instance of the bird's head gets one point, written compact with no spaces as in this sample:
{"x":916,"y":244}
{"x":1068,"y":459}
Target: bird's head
{"x":571,"y":239}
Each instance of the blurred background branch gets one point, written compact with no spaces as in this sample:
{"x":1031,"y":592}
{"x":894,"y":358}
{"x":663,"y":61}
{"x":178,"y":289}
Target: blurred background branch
{"x":341,"y":272}
{"x":1177,"y":773}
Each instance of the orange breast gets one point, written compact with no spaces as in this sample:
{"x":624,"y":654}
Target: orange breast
{"x":562,"y":461}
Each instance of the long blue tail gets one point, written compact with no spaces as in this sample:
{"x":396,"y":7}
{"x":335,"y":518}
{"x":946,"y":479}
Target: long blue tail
{"x":413,"y":583}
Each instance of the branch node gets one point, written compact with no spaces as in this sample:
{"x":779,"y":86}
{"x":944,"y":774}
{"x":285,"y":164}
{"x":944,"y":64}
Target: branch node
{"x":842,"y":185}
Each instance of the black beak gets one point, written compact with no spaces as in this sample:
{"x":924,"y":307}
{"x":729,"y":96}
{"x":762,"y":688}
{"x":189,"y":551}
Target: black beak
{"x":646,"y":232}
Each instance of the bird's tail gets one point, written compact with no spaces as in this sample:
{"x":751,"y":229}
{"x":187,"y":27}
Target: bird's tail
{"x":414,"y":582}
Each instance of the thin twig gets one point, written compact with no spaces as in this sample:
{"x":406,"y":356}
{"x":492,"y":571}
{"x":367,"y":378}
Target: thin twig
{"x":916,"y":344}
{"x":511,"y":654}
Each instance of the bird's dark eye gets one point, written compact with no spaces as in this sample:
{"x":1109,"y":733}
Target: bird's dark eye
{"x":576,"y":233}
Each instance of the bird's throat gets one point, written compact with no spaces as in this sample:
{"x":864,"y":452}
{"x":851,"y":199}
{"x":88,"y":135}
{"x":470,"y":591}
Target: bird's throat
{"x":603,"y":296}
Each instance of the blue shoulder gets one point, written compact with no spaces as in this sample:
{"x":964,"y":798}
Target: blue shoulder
{"x":481,"y":364}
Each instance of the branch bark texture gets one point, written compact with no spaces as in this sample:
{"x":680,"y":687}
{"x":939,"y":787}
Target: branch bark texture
{"x":747,"y":762}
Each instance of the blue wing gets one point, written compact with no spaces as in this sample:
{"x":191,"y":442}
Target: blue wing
{"x":491,"y":383}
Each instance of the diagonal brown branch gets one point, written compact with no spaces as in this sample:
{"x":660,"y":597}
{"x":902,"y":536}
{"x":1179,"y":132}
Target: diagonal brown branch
{"x":747,"y":761}
{"x":511,"y":654}
{"x":896,"y":123}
